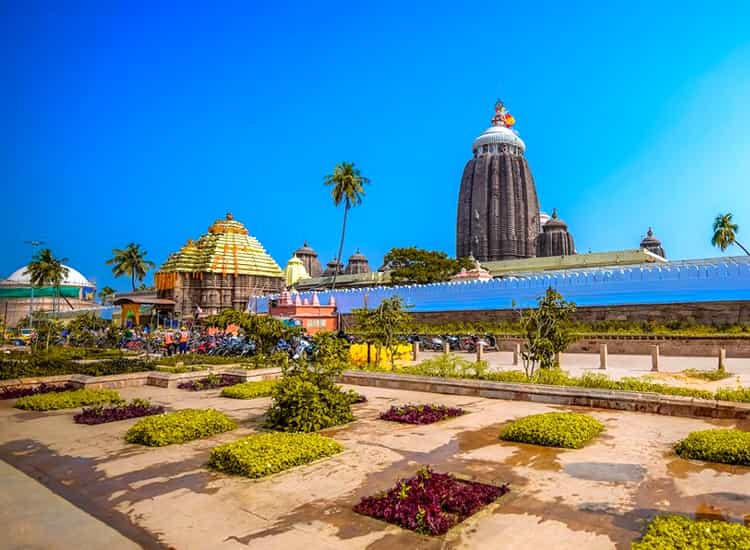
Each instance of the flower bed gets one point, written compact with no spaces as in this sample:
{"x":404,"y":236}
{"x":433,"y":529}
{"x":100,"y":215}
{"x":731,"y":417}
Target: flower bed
{"x":430,"y":503}
{"x":179,"y":427}
{"x":100,"y":415}
{"x":554,"y":429}
{"x":420,"y":414}
{"x":665,"y":532}
{"x":724,"y":446}
{"x":21,"y":391}
{"x":67,"y":399}
{"x":249,"y":390}
{"x":210,"y":382}
{"x":264,"y":454}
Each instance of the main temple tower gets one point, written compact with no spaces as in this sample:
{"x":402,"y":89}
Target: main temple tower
{"x":498,"y":209}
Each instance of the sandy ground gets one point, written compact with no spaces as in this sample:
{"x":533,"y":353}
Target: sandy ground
{"x":597,"y":497}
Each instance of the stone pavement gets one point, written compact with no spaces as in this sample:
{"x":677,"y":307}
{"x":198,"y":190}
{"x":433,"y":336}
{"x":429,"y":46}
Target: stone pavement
{"x":34,"y":517}
{"x":598,"y":497}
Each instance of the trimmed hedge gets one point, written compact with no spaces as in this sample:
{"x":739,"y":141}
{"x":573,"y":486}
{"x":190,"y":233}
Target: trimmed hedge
{"x":249,"y":390}
{"x":666,"y":532}
{"x":67,"y":400}
{"x":261,"y":455}
{"x":52,"y":365}
{"x":733,"y":394}
{"x":723,"y":446}
{"x":179,"y":427}
{"x":555,"y":429}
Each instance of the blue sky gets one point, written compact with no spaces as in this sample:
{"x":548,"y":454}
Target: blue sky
{"x":147,"y":121}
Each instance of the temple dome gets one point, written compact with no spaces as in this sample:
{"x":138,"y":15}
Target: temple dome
{"x":357,"y":264}
{"x":295,"y":271}
{"x":555,"y":239}
{"x":21,"y":277}
{"x":310,"y":258}
{"x":652,"y":244}
{"x":333,"y":267}
{"x":498,"y":134}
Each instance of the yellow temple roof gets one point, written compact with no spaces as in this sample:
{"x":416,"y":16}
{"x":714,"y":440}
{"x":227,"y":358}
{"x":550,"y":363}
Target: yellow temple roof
{"x":227,"y":248}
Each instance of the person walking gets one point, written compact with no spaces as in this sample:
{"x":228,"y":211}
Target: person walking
{"x":169,"y":343}
{"x":183,"y":341}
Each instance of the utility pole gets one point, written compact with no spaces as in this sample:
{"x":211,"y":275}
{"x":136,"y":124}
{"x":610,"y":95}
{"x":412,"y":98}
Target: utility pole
{"x":33,"y":244}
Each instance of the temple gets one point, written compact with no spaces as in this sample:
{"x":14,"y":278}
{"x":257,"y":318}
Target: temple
{"x":220,"y":270}
{"x":498,"y":209}
{"x":555,"y":239}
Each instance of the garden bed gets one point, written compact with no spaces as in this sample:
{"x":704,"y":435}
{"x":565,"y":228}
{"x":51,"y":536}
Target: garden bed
{"x":430,"y":503}
{"x":723,"y":446}
{"x":67,"y":399}
{"x":179,"y":427}
{"x":210,"y":382}
{"x":24,"y":391}
{"x":264,"y":454}
{"x":666,"y":532}
{"x":420,"y":414}
{"x":101,"y":415}
{"x":249,"y":390}
{"x":40,"y":364}
{"x":555,"y":429}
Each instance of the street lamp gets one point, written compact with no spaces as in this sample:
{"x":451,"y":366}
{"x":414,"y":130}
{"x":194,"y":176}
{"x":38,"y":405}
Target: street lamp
{"x":33,"y":244}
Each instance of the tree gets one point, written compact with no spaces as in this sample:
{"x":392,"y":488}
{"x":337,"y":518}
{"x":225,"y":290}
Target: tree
{"x":46,"y":270}
{"x":347,"y":187}
{"x":130,"y":261}
{"x":725,"y":233}
{"x":384,"y":325}
{"x":106,"y":293}
{"x":414,"y":265}
{"x":546,"y":330}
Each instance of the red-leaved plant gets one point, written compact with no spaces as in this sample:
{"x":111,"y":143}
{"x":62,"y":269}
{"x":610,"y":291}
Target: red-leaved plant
{"x":420,"y":414}
{"x":430,"y":503}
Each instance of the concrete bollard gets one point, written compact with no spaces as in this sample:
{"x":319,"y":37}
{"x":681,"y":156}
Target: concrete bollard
{"x":655,"y":358}
{"x":415,"y":351}
{"x":516,"y":353}
{"x":722,"y":359}
{"x":603,"y":356}
{"x":446,"y":347}
{"x":480,"y":351}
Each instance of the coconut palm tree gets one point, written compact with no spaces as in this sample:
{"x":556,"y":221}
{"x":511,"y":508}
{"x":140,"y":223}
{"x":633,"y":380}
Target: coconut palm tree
{"x":130,"y":261}
{"x":46,"y":270}
{"x":106,"y":293}
{"x":347,"y":187}
{"x":725,"y":233}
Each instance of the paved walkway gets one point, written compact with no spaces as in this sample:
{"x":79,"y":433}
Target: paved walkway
{"x":34,"y":517}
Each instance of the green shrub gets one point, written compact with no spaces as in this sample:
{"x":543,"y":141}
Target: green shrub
{"x":249,"y":390}
{"x":724,"y":446}
{"x":554,"y":429}
{"x":67,"y":399}
{"x":710,"y":375}
{"x":448,"y":366}
{"x":52,"y":364}
{"x":179,"y":427}
{"x":260,"y":455}
{"x":733,"y":394}
{"x":668,"y":532}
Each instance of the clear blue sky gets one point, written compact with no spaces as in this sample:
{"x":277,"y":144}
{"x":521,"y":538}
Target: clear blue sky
{"x":145,"y":123}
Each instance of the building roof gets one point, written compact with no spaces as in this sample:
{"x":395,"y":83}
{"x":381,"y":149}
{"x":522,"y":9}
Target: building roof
{"x":141,"y":298}
{"x":21,"y":277}
{"x":575,"y":261}
{"x":227,"y":248}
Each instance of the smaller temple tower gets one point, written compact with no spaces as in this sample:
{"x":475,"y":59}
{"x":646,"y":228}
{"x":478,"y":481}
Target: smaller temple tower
{"x":555,"y":239}
{"x":652,"y":244}
{"x":295,"y":271}
{"x":333,"y":267}
{"x":357,"y":264}
{"x":310,"y":258}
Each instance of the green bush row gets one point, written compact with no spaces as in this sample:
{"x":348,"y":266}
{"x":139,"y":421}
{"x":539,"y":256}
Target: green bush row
{"x":451,"y":366}
{"x":668,"y":532}
{"x":723,"y":446}
{"x":555,"y":429}
{"x":260,"y":455}
{"x":67,"y":399}
{"x":42,"y":365}
{"x":249,"y":390}
{"x":179,"y":427}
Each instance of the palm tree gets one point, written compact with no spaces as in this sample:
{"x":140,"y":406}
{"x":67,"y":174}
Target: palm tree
{"x":106,"y":293}
{"x":348,"y":187}
{"x":725,"y":233}
{"x":130,"y":261}
{"x":46,"y":270}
